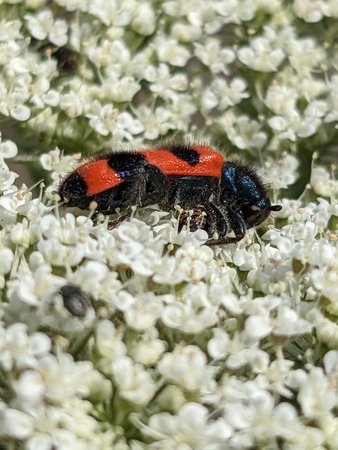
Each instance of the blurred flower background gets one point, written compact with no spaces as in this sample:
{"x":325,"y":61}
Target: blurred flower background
{"x":144,"y":336}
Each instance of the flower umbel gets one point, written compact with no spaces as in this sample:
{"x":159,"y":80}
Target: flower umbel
{"x":139,"y":334}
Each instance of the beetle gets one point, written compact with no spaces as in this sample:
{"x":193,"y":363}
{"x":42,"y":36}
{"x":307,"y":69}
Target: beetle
{"x":74,"y":300}
{"x":196,"y":177}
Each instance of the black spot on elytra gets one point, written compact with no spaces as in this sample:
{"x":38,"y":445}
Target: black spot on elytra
{"x":126,"y":164}
{"x":185,"y":153}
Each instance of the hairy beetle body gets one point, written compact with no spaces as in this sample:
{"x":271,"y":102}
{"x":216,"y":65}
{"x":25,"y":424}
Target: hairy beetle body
{"x":194,"y":177}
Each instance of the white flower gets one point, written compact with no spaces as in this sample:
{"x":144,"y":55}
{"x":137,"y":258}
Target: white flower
{"x":148,"y":350}
{"x":215,"y":57}
{"x":281,"y":99}
{"x":42,"y":26}
{"x":163,"y":83}
{"x":58,"y":163}
{"x":287,"y":323}
{"x":45,"y":123}
{"x":109,"y":345}
{"x":190,"y":345}
{"x":185,"y":32}
{"x":235,"y":11}
{"x":123,"y":90}
{"x":43,"y":95}
{"x":223,"y":95}
{"x":20,"y":350}
{"x":29,"y":388}
{"x":218,"y":344}
{"x":322,"y":183}
{"x":133,"y":382}
{"x":171,"y":52}
{"x":107,"y":120}
{"x":283,"y":172}
{"x":90,"y":277}
{"x":304,"y":54}
{"x":63,"y":377}
{"x":154,"y":123}
{"x":181,"y":111}
{"x":72,"y":104}
{"x":12,"y":101}
{"x":144,"y":21}
{"x":193,"y":313}
{"x":332,"y":99}
{"x":10,"y":30}
{"x":6,"y":260}
{"x":185,"y":366}
{"x":257,"y":415}
{"x":7,"y":177}
{"x":311,"y":10}
{"x":245,"y":260}
{"x":114,"y":12}
{"x":261,"y":55}
{"x":15,"y":424}
{"x":8,"y":210}
{"x":278,"y":375}
{"x":331,"y":362}
{"x":115,"y":55}
{"x":58,"y":254}
{"x":317,"y":396}
{"x":144,"y":312}
{"x":8,"y":149}
{"x":188,"y":429}
{"x":328,"y":333}
{"x":241,"y":131}
{"x":325,"y":279}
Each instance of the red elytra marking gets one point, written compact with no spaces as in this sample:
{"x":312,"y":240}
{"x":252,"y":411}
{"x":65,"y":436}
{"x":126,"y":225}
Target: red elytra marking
{"x":209,"y":165}
{"x":98,"y":176}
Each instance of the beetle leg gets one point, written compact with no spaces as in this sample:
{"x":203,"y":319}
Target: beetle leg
{"x":216,"y":221}
{"x":237,"y":225}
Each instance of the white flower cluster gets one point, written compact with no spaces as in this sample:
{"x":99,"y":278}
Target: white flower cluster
{"x":178,"y":344}
{"x":129,"y":71}
{"x":143,"y":336}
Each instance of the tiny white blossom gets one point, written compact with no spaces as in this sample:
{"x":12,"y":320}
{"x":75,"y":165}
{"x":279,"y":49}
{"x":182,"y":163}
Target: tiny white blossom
{"x":242,"y":132}
{"x":149,"y":349}
{"x":261,"y":55}
{"x":115,"y":12}
{"x":215,"y":57}
{"x":8,"y":149}
{"x":322,"y":183}
{"x":107,"y":120}
{"x":7,"y":177}
{"x":171,"y":52}
{"x":15,"y":424}
{"x":283,"y":172}
{"x":188,"y":429}
{"x":317,"y":396}
{"x":185,"y":366}
{"x":154,"y":123}
{"x":134,"y":383}
{"x":223,"y":95}
{"x":163,"y":82}
{"x":42,"y":26}
{"x":310,"y":10}
{"x":18,"y":349}
{"x":235,"y":11}
{"x":144,"y":21}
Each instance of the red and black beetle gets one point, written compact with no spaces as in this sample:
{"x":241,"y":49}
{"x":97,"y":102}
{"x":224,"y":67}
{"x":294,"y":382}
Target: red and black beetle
{"x":195,"y":177}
